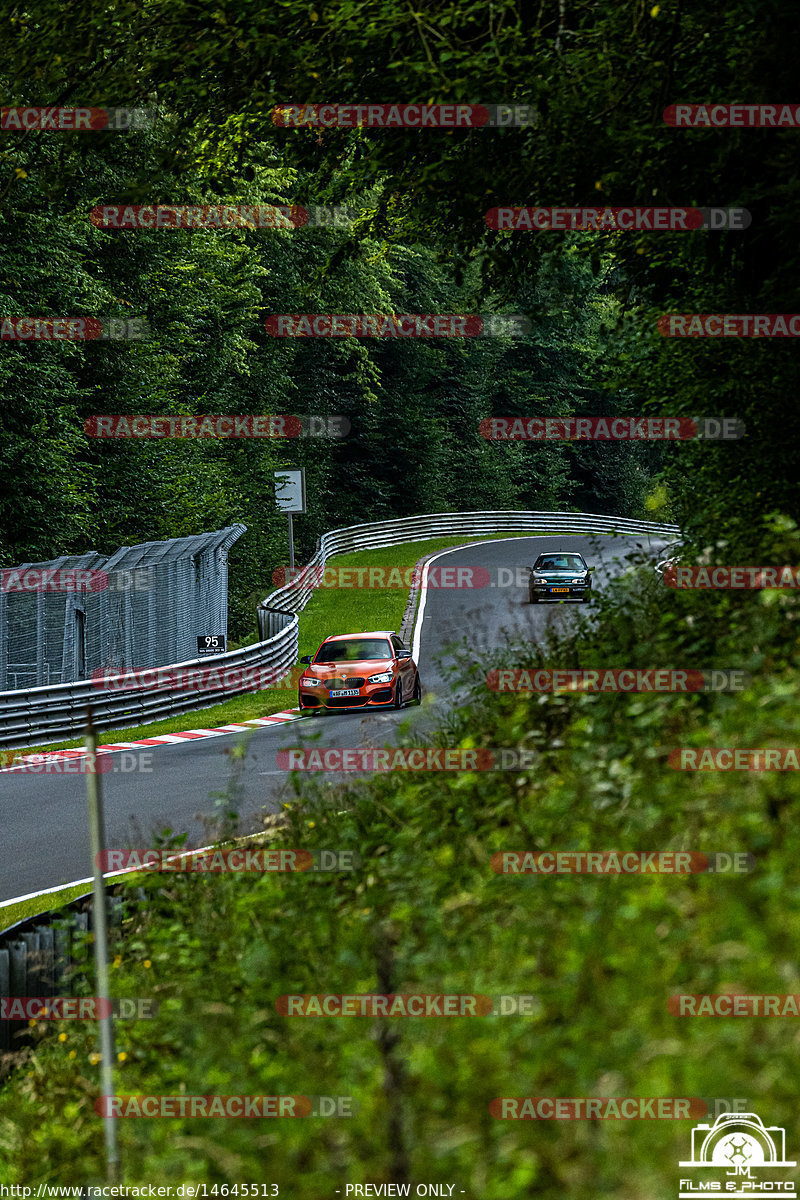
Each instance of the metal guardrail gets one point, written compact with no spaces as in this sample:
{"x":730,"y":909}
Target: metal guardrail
{"x":46,"y":956}
{"x":49,"y":714}
{"x":43,"y":715}
{"x":380,"y":534}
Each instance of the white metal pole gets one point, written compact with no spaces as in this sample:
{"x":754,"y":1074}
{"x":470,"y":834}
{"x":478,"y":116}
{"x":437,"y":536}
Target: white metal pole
{"x":97,"y":839}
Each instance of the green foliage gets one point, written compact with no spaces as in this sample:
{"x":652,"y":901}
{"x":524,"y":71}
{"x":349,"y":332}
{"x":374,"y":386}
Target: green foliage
{"x":425,"y":912}
{"x":602,"y":955}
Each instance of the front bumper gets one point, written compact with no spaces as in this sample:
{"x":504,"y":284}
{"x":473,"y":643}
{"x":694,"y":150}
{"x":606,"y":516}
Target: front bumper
{"x":371,"y":695}
{"x":560,"y":591}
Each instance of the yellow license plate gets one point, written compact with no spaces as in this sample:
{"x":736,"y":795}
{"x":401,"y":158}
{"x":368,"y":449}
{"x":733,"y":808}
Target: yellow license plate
{"x":559,"y":589}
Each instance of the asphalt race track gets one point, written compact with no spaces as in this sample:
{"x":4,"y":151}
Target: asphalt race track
{"x":43,"y":823}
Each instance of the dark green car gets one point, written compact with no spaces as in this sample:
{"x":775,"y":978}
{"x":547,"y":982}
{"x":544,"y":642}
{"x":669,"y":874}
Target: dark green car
{"x":559,"y":575}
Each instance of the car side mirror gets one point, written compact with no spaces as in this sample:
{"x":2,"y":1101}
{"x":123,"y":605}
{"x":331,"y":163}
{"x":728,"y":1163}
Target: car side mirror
{"x":403,"y":654}
{"x":306,"y":658}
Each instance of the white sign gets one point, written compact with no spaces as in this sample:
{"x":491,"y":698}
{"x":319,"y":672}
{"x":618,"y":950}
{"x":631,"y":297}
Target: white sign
{"x":290,"y":491}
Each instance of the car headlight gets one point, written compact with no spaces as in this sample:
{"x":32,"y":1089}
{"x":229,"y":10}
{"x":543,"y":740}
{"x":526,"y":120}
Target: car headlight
{"x":581,"y":580}
{"x":384,"y":677}
{"x":307,"y":681}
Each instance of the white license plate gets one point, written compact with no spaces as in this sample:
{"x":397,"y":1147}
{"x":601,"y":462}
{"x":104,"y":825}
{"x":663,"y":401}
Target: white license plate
{"x":559,"y":589}
{"x":345,"y":692}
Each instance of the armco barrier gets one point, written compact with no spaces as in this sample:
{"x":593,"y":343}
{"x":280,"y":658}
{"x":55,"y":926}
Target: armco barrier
{"x":39,"y":956}
{"x":49,"y":714}
{"x":379,"y":534}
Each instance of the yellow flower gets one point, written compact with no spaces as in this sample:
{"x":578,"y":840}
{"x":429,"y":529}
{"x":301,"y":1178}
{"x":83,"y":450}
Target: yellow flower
{"x":72,"y":1054}
{"x":147,"y":964}
{"x":32,"y":1023}
{"x":20,"y":174}
{"x":654,"y":11}
{"x":312,"y":16}
{"x":122,"y":1056}
{"x":310,"y":824}
{"x":94,"y":1059}
{"x":117,"y":961}
{"x":598,"y":187}
{"x":62,"y":1037}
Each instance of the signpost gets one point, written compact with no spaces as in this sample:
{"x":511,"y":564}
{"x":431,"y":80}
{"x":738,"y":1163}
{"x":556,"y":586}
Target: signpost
{"x":290,"y":496}
{"x":211,"y":644}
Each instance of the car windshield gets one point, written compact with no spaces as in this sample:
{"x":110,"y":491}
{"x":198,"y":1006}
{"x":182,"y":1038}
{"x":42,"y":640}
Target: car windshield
{"x":561,"y":562}
{"x":353,"y":649}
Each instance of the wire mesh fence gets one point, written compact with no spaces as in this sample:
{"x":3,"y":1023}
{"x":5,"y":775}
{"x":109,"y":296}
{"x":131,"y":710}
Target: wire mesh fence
{"x":146,"y":605}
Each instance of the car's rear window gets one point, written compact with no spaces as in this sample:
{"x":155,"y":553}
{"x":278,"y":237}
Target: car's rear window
{"x":352,"y":649}
{"x":561,"y":562}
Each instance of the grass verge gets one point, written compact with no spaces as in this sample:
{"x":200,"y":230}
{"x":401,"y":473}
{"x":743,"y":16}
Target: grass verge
{"x":20,"y":910}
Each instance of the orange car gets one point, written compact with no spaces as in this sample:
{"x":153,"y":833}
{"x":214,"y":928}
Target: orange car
{"x":359,"y":670}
